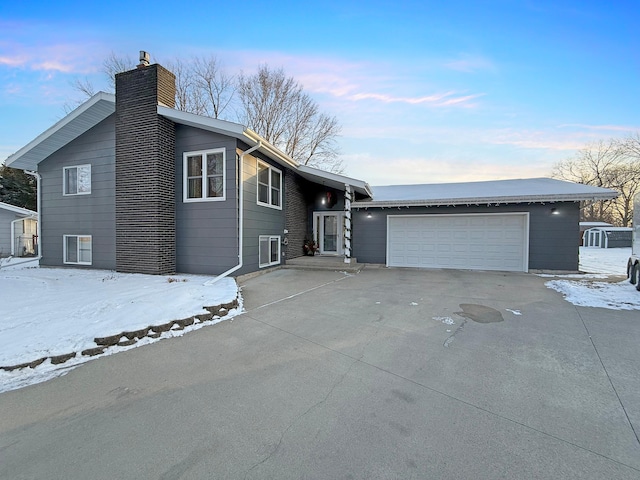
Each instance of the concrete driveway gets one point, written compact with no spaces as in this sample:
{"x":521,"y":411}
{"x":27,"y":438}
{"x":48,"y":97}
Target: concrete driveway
{"x":389,"y":373}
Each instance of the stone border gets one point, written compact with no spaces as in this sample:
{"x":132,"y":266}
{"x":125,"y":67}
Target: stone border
{"x":127,"y":338}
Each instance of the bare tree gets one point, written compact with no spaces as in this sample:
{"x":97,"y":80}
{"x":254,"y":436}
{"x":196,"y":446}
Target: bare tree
{"x":114,"y":64}
{"x":611,"y":164}
{"x":276,"y":107}
{"x":270,"y":103}
{"x":215,"y":88}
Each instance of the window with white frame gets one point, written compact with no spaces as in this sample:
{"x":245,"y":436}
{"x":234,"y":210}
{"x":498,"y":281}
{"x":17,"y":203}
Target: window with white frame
{"x":76,"y":180}
{"x":77,"y":249}
{"x":269,"y":186}
{"x":269,"y":251}
{"x":204,"y":176}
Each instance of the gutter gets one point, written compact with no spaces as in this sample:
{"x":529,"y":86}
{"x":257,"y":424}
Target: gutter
{"x":482,"y":201}
{"x":240,"y":217}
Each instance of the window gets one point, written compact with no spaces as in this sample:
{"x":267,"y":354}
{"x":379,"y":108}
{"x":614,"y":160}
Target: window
{"x":269,"y":250}
{"x":76,"y":180}
{"x":269,"y":186}
{"x":204,"y":176}
{"x":77,"y":249}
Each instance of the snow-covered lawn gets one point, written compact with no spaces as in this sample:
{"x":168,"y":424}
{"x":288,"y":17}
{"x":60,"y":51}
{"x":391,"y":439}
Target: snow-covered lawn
{"x":52,"y":312}
{"x":600,"y":263}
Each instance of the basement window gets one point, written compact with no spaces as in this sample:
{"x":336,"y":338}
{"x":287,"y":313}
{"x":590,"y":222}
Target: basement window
{"x":77,"y":249}
{"x":204,"y":176}
{"x":269,"y":251}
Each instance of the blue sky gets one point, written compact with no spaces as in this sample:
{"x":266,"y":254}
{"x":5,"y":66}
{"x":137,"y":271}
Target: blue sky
{"x":426,"y":92}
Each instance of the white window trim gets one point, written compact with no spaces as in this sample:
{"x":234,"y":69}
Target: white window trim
{"x":64,"y":180}
{"x":185,"y":181}
{"x":269,"y":238}
{"x":64,"y":249}
{"x":270,"y":167}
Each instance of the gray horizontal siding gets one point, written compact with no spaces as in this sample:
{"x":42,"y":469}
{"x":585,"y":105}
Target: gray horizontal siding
{"x":553,"y":241}
{"x":6,"y":217}
{"x":92,"y":214}
{"x":206,"y":232}
{"x":258,"y":219}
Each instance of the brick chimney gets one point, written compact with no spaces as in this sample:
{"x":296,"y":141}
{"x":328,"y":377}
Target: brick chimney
{"x":145,"y":171}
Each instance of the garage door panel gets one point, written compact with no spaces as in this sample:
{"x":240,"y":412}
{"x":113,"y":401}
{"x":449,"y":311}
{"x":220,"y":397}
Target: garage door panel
{"x":486,"y":242}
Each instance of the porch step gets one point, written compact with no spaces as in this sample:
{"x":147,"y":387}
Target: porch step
{"x":323,"y":262}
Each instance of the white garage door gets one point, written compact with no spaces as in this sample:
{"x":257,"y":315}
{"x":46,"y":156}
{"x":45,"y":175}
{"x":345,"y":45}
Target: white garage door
{"x":476,"y":242}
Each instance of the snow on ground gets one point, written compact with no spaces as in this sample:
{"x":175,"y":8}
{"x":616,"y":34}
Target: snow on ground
{"x":56,"y":311}
{"x":599,"y":263}
{"x":611,"y":261}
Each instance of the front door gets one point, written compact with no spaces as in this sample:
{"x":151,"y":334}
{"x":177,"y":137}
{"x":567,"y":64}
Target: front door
{"x":328,"y":230}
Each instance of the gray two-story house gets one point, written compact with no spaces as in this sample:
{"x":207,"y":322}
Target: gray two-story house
{"x":129,"y":183}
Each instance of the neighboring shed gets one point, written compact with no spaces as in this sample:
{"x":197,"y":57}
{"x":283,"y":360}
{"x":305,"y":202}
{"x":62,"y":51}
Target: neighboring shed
{"x":608,"y":237}
{"x":587,"y":225}
{"x":18,"y":231}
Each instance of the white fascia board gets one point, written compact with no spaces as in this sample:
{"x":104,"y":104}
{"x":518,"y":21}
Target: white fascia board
{"x":486,"y":200}
{"x":227,"y":128}
{"x":269,"y":149}
{"x":19,"y":210}
{"x":199,"y":121}
{"x":337,"y":178}
{"x":86,"y":116}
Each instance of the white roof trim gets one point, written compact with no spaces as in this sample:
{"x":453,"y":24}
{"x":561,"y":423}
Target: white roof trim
{"x":334,"y":180}
{"x":231,"y":129}
{"x":611,"y":229}
{"x":86,"y":116}
{"x":19,"y":210}
{"x":533,"y":190}
{"x":480,"y":201}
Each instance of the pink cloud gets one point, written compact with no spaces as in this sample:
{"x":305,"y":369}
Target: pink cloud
{"x":64,"y":58}
{"x":437,"y":100}
{"x":13,"y":61}
{"x":351,"y":80}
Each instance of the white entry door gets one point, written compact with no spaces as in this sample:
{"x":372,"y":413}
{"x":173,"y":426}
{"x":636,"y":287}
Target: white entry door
{"x":327,"y":228}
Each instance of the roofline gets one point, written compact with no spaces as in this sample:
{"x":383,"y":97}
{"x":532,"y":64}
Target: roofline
{"x":336,"y":177}
{"x":225,"y":127}
{"x":20,"y":210}
{"x":100,"y":96}
{"x":569,"y":197}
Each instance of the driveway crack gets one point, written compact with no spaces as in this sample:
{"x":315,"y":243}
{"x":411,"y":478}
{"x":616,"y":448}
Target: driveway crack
{"x":313,"y":407}
{"x":613,"y":387}
{"x":451,"y":337}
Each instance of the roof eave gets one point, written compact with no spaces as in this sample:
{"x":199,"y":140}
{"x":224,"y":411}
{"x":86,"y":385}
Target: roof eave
{"x":84,"y":117}
{"x":231,"y":129}
{"x":335,"y":178}
{"x":19,"y":210}
{"x":485,"y":200}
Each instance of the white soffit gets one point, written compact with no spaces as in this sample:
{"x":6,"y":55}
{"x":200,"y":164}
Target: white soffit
{"x":333,"y":180}
{"x":86,"y":116}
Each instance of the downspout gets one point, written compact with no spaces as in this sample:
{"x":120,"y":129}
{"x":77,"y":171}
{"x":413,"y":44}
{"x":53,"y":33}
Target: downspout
{"x":39,"y":208}
{"x":240,"y":217}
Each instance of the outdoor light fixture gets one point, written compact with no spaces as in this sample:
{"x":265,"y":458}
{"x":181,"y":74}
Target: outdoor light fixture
{"x":368,"y":214}
{"x":554,"y":211}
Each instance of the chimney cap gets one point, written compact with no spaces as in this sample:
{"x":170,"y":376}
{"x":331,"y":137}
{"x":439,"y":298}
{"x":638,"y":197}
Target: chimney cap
{"x":144,"y":59}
